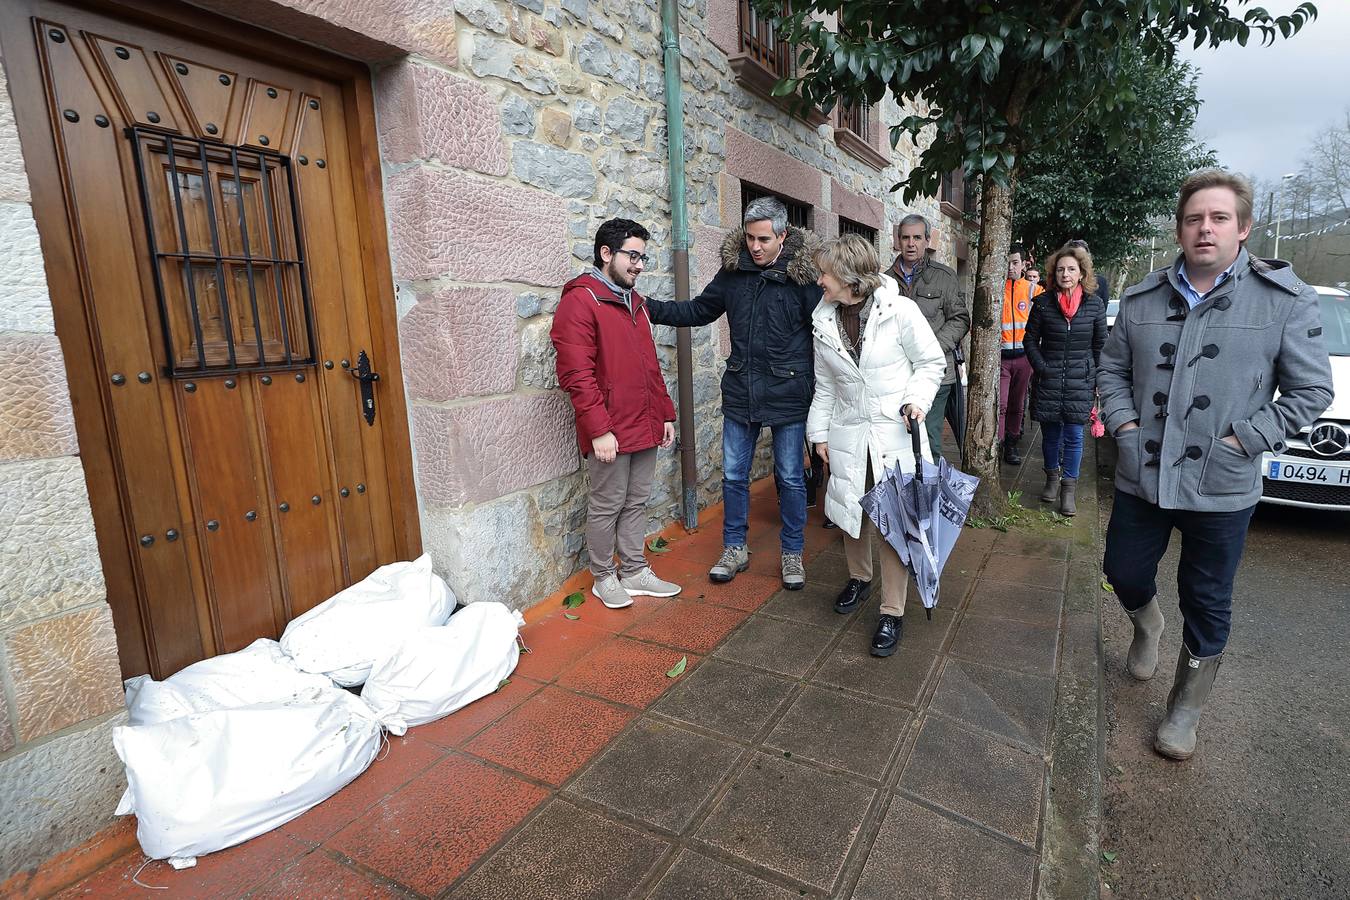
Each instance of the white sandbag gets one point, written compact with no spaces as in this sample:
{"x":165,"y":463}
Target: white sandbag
{"x":260,"y":673}
{"x":435,"y":671}
{"x":205,"y":781}
{"x":346,"y":634}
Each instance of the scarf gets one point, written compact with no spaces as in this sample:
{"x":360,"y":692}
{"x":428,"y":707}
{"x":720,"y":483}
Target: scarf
{"x":1069,"y":303}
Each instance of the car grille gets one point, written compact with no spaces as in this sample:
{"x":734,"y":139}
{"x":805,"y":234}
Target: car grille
{"x":1320,"y":494}
{"x":1305,"y":453}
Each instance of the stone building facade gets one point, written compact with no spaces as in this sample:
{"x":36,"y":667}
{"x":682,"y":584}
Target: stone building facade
{"x":507,"y":131}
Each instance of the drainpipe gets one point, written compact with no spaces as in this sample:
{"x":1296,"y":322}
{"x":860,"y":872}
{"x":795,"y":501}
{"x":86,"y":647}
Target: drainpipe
{"x":679,"y":228}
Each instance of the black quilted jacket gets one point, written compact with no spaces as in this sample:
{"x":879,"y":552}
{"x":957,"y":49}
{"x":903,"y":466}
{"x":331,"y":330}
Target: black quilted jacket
{"x":1064,"y":354}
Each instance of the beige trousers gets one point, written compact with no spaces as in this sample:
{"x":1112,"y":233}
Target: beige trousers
{"x":616,"y":511}
{"x":894,"y":575}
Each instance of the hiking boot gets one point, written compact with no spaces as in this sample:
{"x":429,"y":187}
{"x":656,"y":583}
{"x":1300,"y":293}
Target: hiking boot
{"x":1051,"y":491}
{"x":794,"y":572}
{"x":1067,"y":506}
{"x":887,"y":637}
{"x":732,"y":561}
{"x":853,"y":594}
{"x":611,"y":593}
{"x":1190,"y":689}
{"x":1012,"y":452}
{"x":646,"y":584}
{"x":1142,"y":660}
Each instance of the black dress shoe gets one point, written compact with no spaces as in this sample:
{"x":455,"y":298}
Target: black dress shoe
{"x":1012,"y":451}
{"x":828,"y":524}
{"x":854,"y":593}
{"x":887,"y":637}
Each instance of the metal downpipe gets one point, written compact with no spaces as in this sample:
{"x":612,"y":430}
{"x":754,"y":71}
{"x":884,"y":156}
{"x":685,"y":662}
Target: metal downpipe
{"x":679,"y":228}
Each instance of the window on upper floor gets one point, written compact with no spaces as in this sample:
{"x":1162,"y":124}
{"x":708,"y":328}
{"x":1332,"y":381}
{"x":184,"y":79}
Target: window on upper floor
{"x":857,"y":118}
{"x":759,"y":40}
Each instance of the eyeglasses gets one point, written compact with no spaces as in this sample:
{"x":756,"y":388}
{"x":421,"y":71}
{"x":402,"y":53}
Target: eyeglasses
{"x":636,"y":256}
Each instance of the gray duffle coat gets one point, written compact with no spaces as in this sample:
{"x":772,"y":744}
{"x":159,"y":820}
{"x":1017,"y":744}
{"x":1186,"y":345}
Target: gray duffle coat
{"x":1192,"y":376}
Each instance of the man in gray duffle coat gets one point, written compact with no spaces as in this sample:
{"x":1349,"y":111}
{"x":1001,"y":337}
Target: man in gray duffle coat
{"x":1187,"y":384}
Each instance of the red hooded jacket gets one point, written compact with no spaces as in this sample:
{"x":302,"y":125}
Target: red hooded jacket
{"x":607,"y":364}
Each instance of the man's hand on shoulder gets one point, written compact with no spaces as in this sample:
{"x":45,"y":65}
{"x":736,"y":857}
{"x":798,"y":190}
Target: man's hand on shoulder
{"x":606,"y":447}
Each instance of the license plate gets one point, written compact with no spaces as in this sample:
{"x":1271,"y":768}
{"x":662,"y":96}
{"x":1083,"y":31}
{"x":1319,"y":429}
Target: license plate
{"x":1310,"y":473}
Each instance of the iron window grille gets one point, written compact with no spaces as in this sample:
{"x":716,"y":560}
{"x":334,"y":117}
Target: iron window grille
{"x":227,"y":256}
{"x":848,"y":226}
{"x":799,"y":214}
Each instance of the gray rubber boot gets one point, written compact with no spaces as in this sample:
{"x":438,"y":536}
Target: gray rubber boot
{"x":1142,"y":660}
{"x":1190,"y":690}
{"x":1051,"y":492}
{"x":1067,"y":488}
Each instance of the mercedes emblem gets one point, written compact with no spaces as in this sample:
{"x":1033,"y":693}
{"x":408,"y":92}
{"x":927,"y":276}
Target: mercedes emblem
{"x":1329,"y":439}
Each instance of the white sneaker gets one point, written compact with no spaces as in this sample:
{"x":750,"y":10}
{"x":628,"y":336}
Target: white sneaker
{"x":646,"y":584}
{"x":611,"y":593}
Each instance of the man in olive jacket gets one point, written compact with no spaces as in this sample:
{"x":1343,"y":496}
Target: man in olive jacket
{"x":767,"y":290}
{"x":1187,"y":384}
{"x":933,"y":287}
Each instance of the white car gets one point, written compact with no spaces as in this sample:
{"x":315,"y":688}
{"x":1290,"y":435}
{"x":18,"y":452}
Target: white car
{"x":1314,"y":470}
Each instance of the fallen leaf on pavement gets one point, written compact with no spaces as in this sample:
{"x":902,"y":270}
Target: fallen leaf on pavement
{"x":679,"y":668}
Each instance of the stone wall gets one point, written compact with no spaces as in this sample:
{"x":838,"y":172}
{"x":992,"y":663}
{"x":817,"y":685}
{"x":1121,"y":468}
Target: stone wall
{"x":59,"y":676}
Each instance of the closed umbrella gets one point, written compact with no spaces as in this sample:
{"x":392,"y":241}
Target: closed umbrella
{"x":921,"y":515}
{"x":956,"y":405}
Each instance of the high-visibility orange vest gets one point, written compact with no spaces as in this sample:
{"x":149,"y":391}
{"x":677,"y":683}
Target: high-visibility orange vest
{"x":1016,"y":309}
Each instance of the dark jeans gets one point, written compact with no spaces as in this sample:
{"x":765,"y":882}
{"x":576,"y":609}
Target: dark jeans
{"x":738,"y":447}
{"x":937,"y":414}
{"x":1211,"y":548}
{"x":1062,"y":447}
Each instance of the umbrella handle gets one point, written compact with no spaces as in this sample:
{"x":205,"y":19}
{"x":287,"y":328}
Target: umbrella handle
{"x":918,"y":448}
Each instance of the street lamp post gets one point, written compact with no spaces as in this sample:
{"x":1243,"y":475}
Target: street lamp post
{"x":1280,"y":211}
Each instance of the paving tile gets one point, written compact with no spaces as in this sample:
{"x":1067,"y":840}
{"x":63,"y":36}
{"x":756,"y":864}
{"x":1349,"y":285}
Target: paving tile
{"x":920,"y":632}
{"x":658,"y":774}
{"x":920,"y":854}
{"x":812,"y":605}
{"x":231,"y":872}
{"x":696,"y":877}
{"x":828,"y":726}
{"x":746,"y":591}
{"x":626,"y":671}
{"x":320,"y":875}
{"x":1021,"y":602}
{"x":977,"y":777}
{"x":829,"y":567}
{"x":1016,"y":645}
{"x":792,"y":819}
{"x":776,"y":645}
{"x":1011,"y":704}
{"x":726,"y":698}
{"x":1035,"y":571}
{"x":551,"y":735}
{"x":405,"y":759}
{"x":688,"y":625}
{"x":1032,"y":545}
{"x":566,"y":853}
{"x":430,"y":832}
{"x":554,"y":645}
{"x":594,"y":614}
{"x":463,"y":724}
{"x":895,"y":679}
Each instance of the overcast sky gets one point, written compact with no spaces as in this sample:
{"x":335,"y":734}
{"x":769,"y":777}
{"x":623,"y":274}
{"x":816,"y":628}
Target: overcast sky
{"x":1263,"y":104}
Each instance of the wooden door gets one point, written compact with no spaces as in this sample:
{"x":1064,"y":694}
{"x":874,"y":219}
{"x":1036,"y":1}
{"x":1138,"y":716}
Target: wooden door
{"x":218,"y":278}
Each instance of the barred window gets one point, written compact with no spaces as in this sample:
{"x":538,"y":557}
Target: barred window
{"x":799,"y":214}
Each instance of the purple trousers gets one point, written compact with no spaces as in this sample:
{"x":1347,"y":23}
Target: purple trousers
{"x":1013,"y":382}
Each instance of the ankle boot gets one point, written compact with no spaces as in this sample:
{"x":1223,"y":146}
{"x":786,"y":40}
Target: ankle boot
{"x":1051,"y":492}
{"x":1190,"y":689}
{"x":1142,"y":660}
{"x":1012,"y":453}
{"x":1067,"y":487}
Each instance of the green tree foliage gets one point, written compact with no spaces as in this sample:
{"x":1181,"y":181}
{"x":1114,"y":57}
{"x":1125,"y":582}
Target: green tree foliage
{"x":992,"y":80}
{"x":1072,"y":184}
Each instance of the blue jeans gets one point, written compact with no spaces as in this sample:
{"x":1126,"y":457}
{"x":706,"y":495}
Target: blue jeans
{"x":738,"y":447}
{"x":1062,"y":447}
{"x":1211,"y":548}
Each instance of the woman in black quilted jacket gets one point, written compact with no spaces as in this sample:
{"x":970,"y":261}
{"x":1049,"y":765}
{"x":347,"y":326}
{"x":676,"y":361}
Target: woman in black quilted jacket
{"x":1064,"y":338}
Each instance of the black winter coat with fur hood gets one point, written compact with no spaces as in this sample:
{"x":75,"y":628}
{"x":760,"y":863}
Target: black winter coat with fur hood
{"x":769,"y":378}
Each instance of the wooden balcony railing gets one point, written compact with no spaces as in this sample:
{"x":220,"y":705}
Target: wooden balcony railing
{"x":760,"y":41}
{"x":857,"y":119}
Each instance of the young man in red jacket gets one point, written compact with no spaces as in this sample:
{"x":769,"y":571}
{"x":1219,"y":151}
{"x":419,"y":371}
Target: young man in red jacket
{"x":607,"y":364}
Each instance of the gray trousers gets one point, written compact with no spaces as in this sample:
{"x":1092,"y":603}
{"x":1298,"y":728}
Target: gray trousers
{"x":616,"y":512}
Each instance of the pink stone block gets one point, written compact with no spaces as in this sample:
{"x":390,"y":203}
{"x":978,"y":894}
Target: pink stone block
{"x":758,"y":163}
{"x":480,"y":451}
{"x":729,"y":200}
{"x":724,"y":27}
{"x":707,"y":255}
{"x":460,"y":342}
{"x":853,"y":206}
{"x":451,"y":224}
{"x":64,"y":670}
{"x":427,"y":113}
{"x":36,"y":419}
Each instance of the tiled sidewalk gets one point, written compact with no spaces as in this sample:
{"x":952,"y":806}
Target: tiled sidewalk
{"x":785,"y":762}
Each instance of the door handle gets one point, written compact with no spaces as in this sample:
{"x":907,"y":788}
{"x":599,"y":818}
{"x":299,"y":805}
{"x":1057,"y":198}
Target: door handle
{"x":362,"y":373}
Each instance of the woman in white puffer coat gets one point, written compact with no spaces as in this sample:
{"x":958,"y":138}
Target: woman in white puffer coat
{"x":877,"y":364}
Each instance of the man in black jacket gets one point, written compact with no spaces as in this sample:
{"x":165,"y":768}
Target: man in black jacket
{"x":767,"y":290}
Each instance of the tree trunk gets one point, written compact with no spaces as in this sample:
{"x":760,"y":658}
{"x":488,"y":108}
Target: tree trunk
{"x":982,"y":452}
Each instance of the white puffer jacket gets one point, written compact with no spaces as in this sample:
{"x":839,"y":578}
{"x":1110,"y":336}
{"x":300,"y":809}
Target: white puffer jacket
{"x":856,"y":409}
